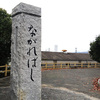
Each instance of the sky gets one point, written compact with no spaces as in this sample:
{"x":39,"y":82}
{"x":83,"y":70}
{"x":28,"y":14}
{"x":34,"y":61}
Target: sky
{"x":66,"y":24}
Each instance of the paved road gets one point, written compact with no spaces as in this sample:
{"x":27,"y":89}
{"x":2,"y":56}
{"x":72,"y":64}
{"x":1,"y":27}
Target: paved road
{"x":69,"y":84}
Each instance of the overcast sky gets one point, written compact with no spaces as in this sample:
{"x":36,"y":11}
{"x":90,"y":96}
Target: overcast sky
{"x":69,"y":24}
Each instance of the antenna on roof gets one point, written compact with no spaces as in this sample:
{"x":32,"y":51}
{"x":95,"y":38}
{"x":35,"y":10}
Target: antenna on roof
{"x":75,"y":50}
{"x":48,"y":49}
{"x":56,"y":48}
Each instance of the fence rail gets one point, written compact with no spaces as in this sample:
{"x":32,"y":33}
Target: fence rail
{"x":5,"y":69}
{"x":52,"y":66}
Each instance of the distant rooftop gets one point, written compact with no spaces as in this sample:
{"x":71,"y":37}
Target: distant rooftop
{"x":60,"y":56}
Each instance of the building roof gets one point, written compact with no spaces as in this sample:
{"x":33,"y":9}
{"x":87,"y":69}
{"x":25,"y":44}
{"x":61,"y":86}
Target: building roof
{"x":60,"y":56}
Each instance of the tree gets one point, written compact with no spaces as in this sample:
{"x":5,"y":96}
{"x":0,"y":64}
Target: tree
{"x":5,"y":37}
{"x":95,"y":49}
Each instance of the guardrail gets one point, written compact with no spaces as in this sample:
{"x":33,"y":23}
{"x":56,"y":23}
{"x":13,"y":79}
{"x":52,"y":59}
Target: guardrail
{"x":5,"y":69}
{"x":51,"y":66}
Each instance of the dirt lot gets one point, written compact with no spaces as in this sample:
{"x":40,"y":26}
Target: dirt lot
{"x":79,"y":80}
{"x":56,"y":81}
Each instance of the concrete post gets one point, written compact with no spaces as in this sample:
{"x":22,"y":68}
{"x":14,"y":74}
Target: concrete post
{"x":26,"y":53}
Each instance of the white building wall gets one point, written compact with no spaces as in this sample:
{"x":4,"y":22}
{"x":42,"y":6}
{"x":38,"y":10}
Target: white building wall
{"x":44,"y":61}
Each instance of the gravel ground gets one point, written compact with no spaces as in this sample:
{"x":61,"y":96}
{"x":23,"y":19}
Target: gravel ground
{"x":60,"y":94}
{"x":5,"y":88}
{"x":79,"y":80}
{"x":66,"y":84}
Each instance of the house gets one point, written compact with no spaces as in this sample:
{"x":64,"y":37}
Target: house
{"x":61,"y":57}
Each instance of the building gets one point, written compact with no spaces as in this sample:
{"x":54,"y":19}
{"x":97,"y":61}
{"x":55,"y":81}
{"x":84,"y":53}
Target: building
{"x":61,"y":57}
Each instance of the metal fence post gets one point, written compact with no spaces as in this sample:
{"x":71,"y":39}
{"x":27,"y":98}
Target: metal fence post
{"x":61,"y":65}
{"x":6,"y":70}
{"x":95,"y":65}
{"x":68,"y":65}
{"x":88,"y":65}
{"x":54,"y":66}
{"x":46,"y":66}
{"x":81,"y":65}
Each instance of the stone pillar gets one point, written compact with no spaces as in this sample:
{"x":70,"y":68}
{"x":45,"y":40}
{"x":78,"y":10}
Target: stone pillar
{"x":26,"y":53}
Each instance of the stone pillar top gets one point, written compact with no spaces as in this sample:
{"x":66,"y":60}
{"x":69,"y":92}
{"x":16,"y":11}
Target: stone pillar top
{"x":27,"y":9}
